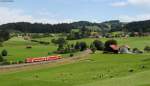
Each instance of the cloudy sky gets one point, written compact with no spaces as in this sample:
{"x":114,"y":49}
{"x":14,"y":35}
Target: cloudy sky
{"x":58,"y":11}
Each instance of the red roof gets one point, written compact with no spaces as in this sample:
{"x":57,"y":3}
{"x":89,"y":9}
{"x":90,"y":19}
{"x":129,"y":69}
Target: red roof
{"x":114,"y":47}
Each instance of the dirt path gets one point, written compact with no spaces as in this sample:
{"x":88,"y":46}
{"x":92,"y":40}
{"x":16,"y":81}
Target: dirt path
{"x":46,"y":64}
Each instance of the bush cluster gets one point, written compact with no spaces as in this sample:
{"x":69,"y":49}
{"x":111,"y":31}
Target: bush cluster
{"x":98,"y":44}
{"x":4,"y":52}
{"x":147,"y":48}
{"x":29,"y":47}
{"x":70,"y":48}
{"x":41,"y":42}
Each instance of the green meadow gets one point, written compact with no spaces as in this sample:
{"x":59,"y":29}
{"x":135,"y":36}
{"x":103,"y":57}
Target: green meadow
{"x":96,"y":70}
{"x":16,"y":47}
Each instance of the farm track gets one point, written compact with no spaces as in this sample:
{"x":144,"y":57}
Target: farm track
{"x":45,"y":64}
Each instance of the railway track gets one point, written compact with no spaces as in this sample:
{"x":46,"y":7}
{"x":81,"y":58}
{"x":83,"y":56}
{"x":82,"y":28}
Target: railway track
{"x":79,"y":57}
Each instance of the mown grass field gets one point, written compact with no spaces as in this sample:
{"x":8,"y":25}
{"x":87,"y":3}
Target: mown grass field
{"x":16,"y":48}
{"x":97,"y":70}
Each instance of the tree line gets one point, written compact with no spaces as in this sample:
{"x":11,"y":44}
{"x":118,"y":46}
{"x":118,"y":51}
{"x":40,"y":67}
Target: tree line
{"x":109,"y":26}
{"x":140,"y":26}
{"x":27,"y":27}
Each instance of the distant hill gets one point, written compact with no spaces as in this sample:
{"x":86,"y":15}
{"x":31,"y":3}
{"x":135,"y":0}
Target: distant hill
{"x":108,"y":26}
{"x":140,"y":26}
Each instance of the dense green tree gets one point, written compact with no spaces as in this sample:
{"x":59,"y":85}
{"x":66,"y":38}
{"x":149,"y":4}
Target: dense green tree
{"x":1,"y":58}
{"x":108,"y":46}
{"x":60,"y":47}
{"x":61,"y":41}
{"x":140,"y":26}
{"x":83,"y":46}
{"x":98,"y":44}
{"x":77,"y":46}
{"x":4,"y":36}
{"x":4,"y":52}
{"x":147,"y":48}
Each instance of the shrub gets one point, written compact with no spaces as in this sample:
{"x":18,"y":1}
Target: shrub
{"x":41,"y":42}
{"x":99,"y":45}
{"x":20,"y":62}
{"x":1,"y":58}
{"x":83,"y":46}
{"x":93,"y":48}
{"x":147,"y":48}
{"x":137,"y":51}
{"x":71,"y":55}
{"x":6,"y":63}
{"x":4,"y":53}
{"x":77,"y":46}
{"x":14,"y":62}
{"x":1,"y":45}
{"x":131,"y":70}
{"x":28,"y":47}
{"x":59,"y":41}
{"x":54,"y":41}
{"x":60,"y":47}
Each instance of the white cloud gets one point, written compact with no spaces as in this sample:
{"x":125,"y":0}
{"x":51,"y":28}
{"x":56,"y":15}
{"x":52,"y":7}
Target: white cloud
{"x":118,"y":4}
{"x":131,"y":2}
{"x":141,"y":17}
{"x":13,"y":15}
{"x":8,"y":15}
{"x":139,"y":2}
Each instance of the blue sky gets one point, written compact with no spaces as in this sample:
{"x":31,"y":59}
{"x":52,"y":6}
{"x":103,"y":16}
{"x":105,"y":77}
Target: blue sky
{"x":58,"y":11}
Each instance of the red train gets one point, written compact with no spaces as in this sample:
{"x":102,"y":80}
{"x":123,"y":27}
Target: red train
{"x":40,"y":59}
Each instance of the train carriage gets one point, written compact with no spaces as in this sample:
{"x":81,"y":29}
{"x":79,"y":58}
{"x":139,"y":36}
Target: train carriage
{"x":40,"y":59}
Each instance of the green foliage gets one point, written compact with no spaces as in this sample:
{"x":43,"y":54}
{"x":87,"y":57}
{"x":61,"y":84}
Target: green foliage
{"x":4,"y":36}
{"x":37,"y":27}
{"x":4,"y":52}
{"x":41,"y":42}
{"x":83,"y":33}
{"x":83,"y":46}
{"x":140,"y":26}
{"x":77,"y":46}
{"x":147,"y":48}
{"x":74,"y":36}
{"x":1,"y":45}
{"x":60,"y":41}
{"x":60,"y":47}
{"x":98,"y":44}
{"x":29,"y":47}
{"x":1,"y":58}
{"x":93,"y":48}
{"x":71,"y":55}
{"x":107,"y":45}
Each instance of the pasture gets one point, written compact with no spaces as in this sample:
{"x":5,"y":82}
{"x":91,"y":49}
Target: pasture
{"x":96,"y":70}
{"x":17,"y":51}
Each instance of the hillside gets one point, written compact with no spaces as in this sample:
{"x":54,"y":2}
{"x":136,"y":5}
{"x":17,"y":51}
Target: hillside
{"x":140,"y":26}
{"x":26,"y":27}
{"x":98,"y":70}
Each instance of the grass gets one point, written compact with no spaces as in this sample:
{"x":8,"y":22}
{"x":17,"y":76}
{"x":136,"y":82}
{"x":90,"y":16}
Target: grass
{"x":17,"y":51}
{"x":16,"y":47}
{"x":98,"y":70}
